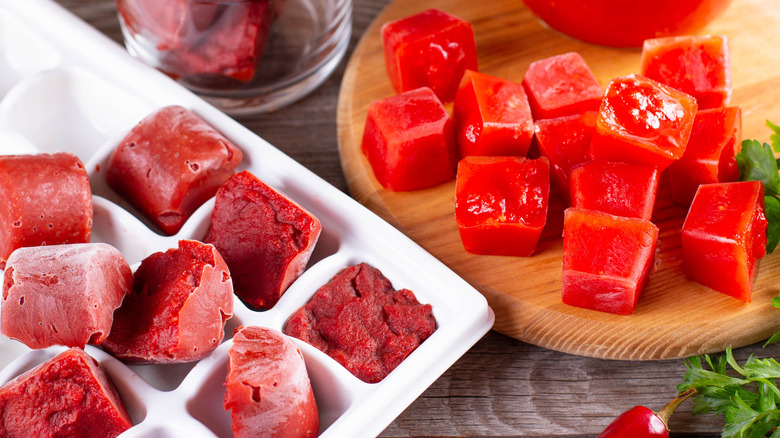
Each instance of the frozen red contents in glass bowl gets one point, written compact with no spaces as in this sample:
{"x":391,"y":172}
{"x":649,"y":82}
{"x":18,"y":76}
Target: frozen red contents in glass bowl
{"x":69,"y":395}
{"x":268,"y":389}
{"x":177,"y":309}
{"x":359,"y":320}
{"x":169,"y":164}
{"x":63,"y":294}
{"x":47,"y":200}
{"x":265,"y":238}
{"x":561,"y":85}
{"x":622,"y":189}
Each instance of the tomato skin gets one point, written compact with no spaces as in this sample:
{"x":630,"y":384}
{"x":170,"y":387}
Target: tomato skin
{"x":637,"y":422}
{"x":626,"y":23}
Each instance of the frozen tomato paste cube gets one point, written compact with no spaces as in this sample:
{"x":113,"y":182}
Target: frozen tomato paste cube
{"x":70,"y":395}
{"x":169,"y":25}
{"x":698,"y":65}
{"x":269,"y":393}
{"x":63,"y":294}
{"x":359,"y":320}
{"x":429,"y":49}
{"x":561,"y":85}
{"x":724,"y":237}
{"x":410,"y":142}
{"x":265,"y":238}
{"x":177,"y":309}
{"x":606,"y":260}
{"x":565,"y":141}
{"x":501,"y":204}
{"x":170,"y":164}
{"x":492,"y":117}
{"x":46,"y":200}
{"x":642,"y":121}
{"x":710,"y":156}
{"x":622,"y":189}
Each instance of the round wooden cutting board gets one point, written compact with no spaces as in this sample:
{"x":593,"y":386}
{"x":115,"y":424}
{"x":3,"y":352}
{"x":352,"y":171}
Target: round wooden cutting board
{"x":675,"y":317}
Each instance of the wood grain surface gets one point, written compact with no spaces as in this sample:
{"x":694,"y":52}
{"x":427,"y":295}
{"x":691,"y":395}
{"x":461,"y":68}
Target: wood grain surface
{"x":675,"y":317}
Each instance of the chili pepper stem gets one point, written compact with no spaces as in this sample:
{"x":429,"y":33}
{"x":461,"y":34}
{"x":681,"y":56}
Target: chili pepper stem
{"x":670,"y":407}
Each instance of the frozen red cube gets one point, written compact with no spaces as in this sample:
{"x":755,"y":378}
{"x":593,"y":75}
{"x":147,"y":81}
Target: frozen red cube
{"x":177,"y":309}
{"x":561,"y":85}
{"x":63,"y":294}
{"x":622,"y":189}
{"x":169,"y":164}
{"x":429,"y":49}
{"x":47,"y":201}
{"x":409,"y":141}
{"x":169,"y":25}
{"x":70,"y":395}
{"x":269,"y":393}
{"x":265,"y":238}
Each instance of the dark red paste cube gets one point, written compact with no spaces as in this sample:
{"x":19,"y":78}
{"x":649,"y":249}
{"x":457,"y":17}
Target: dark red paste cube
{"x":46,"y":200}
{"x":170,"y":164}
{"x":622,"y":189}
{"x":698,"y":65}
{"x":410,"y":142}
{"x":561,"y":85}
{"x":177,"y":310}
{"x":492,"y":117}
{"x":724,"y":237}
{"x":606,"y":260}
{"x":501,"y":204}
{"x":265,"y":238}
{"x":63,"y":294}
{"x":69,"y":395}
{"x":359,"y":320}
{"x":429,"y":49}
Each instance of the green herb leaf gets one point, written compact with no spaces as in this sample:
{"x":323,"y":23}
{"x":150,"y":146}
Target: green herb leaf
{"x":772,"y":211}
{"x":757,"y":163}
{"x":775,"y":137}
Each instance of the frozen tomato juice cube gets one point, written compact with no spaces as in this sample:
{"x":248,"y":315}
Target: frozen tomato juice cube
{"x":265,"y":238}
{"x":47,"y":200}
{"x":501,"y":204}
{"x":642,"y":121}
{"x":70,"y":395}
{"x":492,"y":117}
{"x":565,"y":141}
{"x":268,"y":392}
{"x":429,"y":49}
{"x":63,"y":294}
{"x":622,"y":189}
{"x":710,"y":156}
{"x":169,"y":25}
{"x":169,"y":164}
{"x":698,"y":65}
{"x":177,"y":309}
{"x":561,"y":85}
{"x":606,"y":260}
{"x":409,"y":141}
{"x":724,"y":237}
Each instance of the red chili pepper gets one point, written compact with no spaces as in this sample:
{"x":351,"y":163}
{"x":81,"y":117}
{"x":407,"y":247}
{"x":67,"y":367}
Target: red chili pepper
{"x":641,"y":422}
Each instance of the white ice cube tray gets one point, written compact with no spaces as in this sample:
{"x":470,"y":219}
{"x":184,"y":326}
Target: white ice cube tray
{"x":64,"y":86}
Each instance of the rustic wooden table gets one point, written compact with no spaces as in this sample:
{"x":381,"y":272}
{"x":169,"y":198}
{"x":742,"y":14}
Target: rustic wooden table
{"x":502,"y":387}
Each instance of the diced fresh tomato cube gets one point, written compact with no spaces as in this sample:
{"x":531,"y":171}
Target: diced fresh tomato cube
{"x":710,"y":156}
{"x":430,"y":49}
{"x":606,"y":260}
{"x":642,"y":121}
{"x":724,"y":237}
{"x":696,"y":65}
{"x":501,"y":204}
{"x":561,"y":85}
{"x":409,"y":141}
{"x":622,"y":189}
{"x":492,"y":117}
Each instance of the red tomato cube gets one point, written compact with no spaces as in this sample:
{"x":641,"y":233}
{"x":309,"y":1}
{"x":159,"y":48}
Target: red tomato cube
{"x":724,"y":237}
{"x":622,"y":189}
{"x":409,"y":141}
{"x":696,"y":65}
{"x":642,"y":121}
{"x":492,"y":117}
{"x":501,"y":204}
{"x":606,"y":260}
{"x":565,"y":141}
{"x":430,"y":49}
{"x":561,"y":85}
{"x":710,"y":156}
